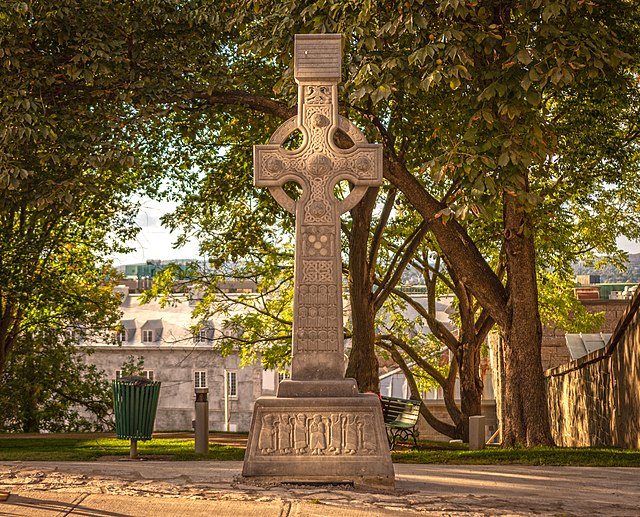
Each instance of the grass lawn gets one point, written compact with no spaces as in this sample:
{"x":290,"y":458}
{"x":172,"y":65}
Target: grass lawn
{"x":180,"y":449}
{"x":458,"y":454}
{"x":80,"y":449}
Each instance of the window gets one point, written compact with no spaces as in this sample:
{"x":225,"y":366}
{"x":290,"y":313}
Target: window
{"x":200,"y":379}
{"x":204,"y":334}
{"x":146,"y":373}
{"x":121,"y":336}
{"x":232,"y":384}
{"x":75,"y":335}
{"x":147,"y":336}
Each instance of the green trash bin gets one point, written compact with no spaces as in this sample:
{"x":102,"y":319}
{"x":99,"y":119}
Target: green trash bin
{"x":135,"y":400}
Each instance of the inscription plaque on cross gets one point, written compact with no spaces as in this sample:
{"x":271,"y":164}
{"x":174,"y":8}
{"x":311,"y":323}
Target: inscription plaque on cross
{"x":317,"y":166}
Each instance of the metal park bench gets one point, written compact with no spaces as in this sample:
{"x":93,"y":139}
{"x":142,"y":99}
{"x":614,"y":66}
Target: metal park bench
{"x":400,"y":419}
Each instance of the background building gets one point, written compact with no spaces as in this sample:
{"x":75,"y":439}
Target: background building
{"x":183,"y":355}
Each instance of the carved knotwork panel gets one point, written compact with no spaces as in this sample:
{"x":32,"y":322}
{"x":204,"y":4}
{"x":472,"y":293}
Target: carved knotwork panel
{"x":319,"y":319}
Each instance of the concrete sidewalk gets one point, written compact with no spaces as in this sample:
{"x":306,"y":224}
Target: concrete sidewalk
{"x":159,"y":489}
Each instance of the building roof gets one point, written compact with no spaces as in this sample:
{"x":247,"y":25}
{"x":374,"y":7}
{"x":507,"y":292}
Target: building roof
{"x":580,"y":345}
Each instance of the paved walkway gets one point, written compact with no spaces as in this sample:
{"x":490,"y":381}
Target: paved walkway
{"x":166,"y":489}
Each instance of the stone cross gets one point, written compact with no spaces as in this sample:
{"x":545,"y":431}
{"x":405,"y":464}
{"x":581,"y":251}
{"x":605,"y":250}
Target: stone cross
{"x":317,"y":166}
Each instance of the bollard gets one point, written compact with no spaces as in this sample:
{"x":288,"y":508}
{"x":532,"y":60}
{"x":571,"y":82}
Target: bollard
{"x":202,"y":421}
{"x":476,"y":433}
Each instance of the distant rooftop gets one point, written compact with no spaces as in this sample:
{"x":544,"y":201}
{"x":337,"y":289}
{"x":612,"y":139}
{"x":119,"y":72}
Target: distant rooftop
{"x":580,"y":345}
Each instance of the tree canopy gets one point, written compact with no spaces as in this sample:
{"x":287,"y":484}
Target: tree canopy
{"x":518,"y":117}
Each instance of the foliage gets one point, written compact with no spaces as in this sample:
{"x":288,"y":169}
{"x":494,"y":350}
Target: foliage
{"x":48,"y":387}
{"x":521,"y":116}
{"x":132,"y":366}
{"x":560,"y":308}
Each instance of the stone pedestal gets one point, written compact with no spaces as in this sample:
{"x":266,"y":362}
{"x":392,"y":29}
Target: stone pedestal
{"x":476,"y":433}
{"x":326,"y":439}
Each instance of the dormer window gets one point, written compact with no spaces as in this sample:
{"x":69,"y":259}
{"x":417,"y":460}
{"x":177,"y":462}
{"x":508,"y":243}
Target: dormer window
{"x":204,"y":334}
{"x":126,"y":332}
{"x":152,"y":331}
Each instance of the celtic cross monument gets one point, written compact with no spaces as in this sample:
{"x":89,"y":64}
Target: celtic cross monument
{"x":318,"y":427}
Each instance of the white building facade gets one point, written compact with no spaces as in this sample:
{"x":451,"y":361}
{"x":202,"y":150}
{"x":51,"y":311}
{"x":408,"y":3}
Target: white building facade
{"x":182,"y":356}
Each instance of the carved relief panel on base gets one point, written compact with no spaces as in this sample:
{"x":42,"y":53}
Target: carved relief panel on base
{"x":316,"y":434}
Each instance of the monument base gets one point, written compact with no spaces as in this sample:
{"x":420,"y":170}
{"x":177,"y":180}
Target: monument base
{"x":310,"y":439}
{"x":334,"y":388}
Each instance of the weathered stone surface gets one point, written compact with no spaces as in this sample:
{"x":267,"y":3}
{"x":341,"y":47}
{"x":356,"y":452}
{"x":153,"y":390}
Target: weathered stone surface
{"x":333,"y":388}
{"x":318,"y":428}
{"x":595,"y":400}
{"x":319,"y":439}
{"x":317,"y":166}
{"x":476,"y":433}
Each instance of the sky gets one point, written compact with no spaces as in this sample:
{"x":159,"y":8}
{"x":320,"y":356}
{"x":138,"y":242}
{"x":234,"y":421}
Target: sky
{"x":154,"y":242}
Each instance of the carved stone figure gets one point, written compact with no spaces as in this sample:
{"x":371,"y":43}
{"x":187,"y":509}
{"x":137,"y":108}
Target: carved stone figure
{"x":351,"y":434}
{"x":367,"y":437}
{"x":318,"y":439}
{"x":300,"y":434}
{"x":335,"y":442}
{"x":284,"y":436}
{"x":266,"y":441}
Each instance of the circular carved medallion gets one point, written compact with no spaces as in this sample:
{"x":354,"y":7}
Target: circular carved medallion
{"x":319,"y":120}
{"x":274,"y":165}
{"x":317,"y":209}
{"x":363,"y":164}
{"x":319,"y":165}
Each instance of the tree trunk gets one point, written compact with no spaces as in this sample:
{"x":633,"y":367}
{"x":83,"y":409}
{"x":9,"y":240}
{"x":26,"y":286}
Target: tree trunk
{"x":468,"y":355}
{"x":525,"y":416}
{"x":470,"y":384}
{"x":363,"y":362}
{"x":524,"y":407}
{"x":30,"y":420}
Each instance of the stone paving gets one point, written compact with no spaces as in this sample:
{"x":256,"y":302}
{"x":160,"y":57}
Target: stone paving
{"x":158,"y":489}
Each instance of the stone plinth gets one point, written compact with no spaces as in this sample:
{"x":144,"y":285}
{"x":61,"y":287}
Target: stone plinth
{"x":315,"y":439}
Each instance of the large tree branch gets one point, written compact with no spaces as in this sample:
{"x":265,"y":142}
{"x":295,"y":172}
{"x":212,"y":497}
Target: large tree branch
{"x":415,"y":357}
{"x":438,"y":328}
{"x":454,"y":242}
{"x":376,"y":240}
{"x":255,"y":102}
{"x":405,"y":253}
{"x":437,"y":424}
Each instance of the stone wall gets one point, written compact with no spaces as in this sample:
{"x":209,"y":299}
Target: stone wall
{"x":554,"y":347}
{"x":596,"y":399}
